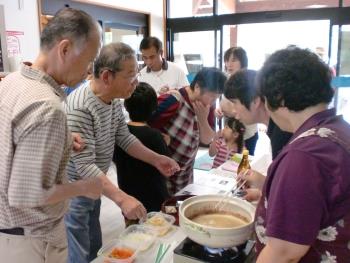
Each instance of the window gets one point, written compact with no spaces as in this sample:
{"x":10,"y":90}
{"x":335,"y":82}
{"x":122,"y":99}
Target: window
{"x":262,"y":39}
{"x":194,"y":50}
{"x":246,"y":6}
{"x":189,"y":8}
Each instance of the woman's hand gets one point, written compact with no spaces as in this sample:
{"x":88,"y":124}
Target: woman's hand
{"x":201,"y":111}
{"x":252,"y":194}
{"x":252,"y":178}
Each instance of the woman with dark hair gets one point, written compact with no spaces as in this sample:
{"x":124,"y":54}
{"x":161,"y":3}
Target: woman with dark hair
{"x":235,"y":59}
{"x":304,"y":212}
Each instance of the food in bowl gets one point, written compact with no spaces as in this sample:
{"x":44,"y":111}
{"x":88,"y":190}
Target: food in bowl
{"x":220,"y":219}
{"x":159,"y":222}
{"x":170,"y":209}
{"x":117,"y":252}
{"x":138,"y":237}
{"x":121,"y":253}
{"x":171,"y":206}
{"x":219,"y":229}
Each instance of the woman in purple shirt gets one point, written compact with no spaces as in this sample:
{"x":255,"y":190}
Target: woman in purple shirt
{"x":304,"y":213}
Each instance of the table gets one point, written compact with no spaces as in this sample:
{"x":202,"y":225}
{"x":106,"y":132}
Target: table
{"x":215,"y":181}
{"x":174,"y":238}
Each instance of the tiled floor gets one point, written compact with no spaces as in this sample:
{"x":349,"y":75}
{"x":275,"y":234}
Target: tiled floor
{"x":111,"y":219}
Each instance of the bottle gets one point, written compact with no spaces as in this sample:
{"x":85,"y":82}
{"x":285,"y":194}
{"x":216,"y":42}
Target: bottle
{"x":244,"y":164}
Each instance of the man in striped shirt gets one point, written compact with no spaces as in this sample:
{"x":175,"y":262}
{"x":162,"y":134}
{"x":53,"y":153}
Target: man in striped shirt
{"x":95,"y":112}
{"x":35,"y":142}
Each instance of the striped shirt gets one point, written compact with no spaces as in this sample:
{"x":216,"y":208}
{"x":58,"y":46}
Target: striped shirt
{"x":101,"y":126}
{"x":35,"y":145}
{"x":223,"y":153}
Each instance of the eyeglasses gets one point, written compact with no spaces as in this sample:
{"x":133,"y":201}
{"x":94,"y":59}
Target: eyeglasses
{"x":129,"y":79}
{"x":134,"y":78}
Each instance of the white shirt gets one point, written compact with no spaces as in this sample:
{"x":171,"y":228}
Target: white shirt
{"x":173,"y":77}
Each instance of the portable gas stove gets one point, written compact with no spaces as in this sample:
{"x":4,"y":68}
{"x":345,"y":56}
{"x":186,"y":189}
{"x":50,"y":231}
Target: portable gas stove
{"x":190,"y":252}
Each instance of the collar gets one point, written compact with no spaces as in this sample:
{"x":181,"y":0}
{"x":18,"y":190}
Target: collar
{"x":29,"y":72}
{"x":314,"y":120}
{"x":184,"y":94}
{"x":164,"y":66}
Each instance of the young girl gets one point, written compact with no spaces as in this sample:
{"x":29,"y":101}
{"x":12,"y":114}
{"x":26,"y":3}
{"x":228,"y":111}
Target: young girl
{"x":227,"y":142}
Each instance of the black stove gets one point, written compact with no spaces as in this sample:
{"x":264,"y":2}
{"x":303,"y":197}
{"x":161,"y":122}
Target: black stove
{"x":190,"y":252}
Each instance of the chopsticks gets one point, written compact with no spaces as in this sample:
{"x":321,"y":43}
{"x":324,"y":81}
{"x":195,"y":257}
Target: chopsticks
{"x":162,"y":250}
{"x":234,"y":190}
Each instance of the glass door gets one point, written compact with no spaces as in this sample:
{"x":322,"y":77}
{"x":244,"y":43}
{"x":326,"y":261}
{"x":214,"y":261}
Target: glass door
{"x":262,"y":39}
{"x":194,"y":50}
{"x":341,"y":82}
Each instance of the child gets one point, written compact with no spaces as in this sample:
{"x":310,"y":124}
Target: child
{"x":227,"y":142}
{"x":137,"y":178}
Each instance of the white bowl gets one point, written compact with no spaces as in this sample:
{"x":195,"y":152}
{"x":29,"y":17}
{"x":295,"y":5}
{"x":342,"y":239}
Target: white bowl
{"x":107,"y":250}
{"x":138,"y":237}
{"x":213,"y":236}
{"x":159,"y":222}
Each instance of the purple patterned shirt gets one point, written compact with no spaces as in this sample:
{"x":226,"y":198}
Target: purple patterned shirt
{"x":306,"y":196}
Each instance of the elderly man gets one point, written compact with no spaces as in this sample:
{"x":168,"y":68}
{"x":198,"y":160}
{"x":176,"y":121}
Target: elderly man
{"x":35,"y":142}
{"x":95,"y":112}
{"x":162,"y":75}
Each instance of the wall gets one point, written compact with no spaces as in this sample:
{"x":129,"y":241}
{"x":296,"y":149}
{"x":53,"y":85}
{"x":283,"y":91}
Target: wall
{"x":25,"y":18}
{"x":22,"y":16}
{"x":152,"y":7}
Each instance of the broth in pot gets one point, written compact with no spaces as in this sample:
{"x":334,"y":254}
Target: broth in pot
{"x":220,"y":220}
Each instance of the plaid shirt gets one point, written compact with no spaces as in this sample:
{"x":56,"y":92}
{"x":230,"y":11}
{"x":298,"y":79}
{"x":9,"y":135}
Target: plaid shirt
{"x":35,"y":145}
{"x":175,"y":117}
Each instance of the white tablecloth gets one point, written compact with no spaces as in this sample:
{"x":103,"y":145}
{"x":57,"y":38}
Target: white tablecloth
{"x":216,"y":181}
{"x":173,"y":238}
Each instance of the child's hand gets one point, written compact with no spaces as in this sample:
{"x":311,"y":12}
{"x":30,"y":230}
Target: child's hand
{"x":166,"y":138}
{"x":218,"y":113}
{"x":217,"y":135}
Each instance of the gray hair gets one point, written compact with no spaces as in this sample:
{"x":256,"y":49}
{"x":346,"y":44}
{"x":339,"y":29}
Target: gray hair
{"x":111,"y":57}
{"x":68,"y":23}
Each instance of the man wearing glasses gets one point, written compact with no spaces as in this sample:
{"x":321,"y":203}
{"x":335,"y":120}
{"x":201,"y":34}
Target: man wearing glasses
{"x":95,"y":112}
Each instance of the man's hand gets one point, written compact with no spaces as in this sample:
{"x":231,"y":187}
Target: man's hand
{"x":164,"y":89}
{"x":132,"y":208}
{"x":166,"y":165}
{"x":78,"y":143}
